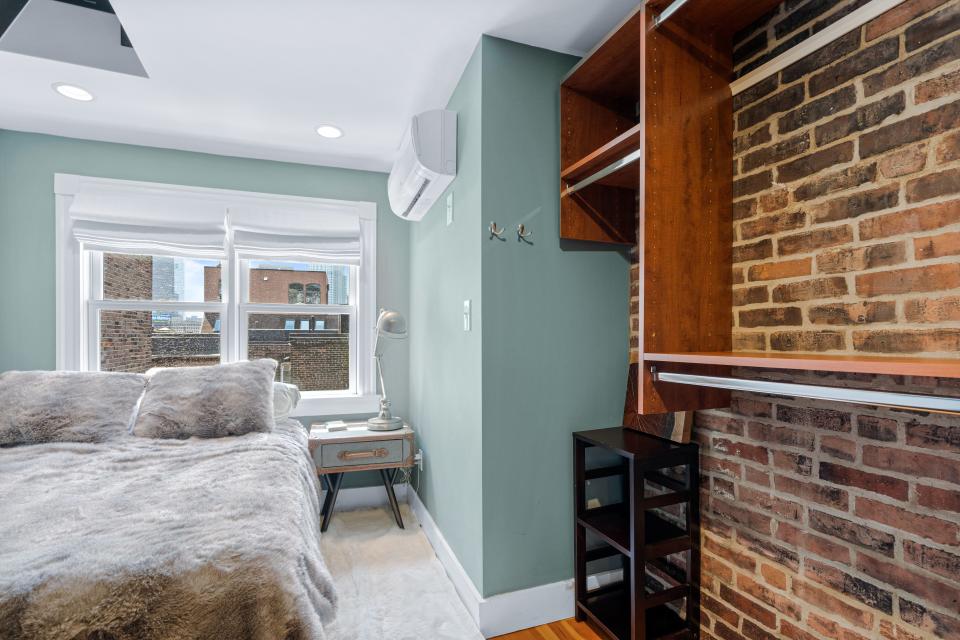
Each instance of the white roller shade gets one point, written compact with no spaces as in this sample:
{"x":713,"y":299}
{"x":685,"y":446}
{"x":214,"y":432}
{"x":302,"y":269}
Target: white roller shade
{"x":158,"y":241}
{"x":300,"y":234}
{"x":151,"y":221}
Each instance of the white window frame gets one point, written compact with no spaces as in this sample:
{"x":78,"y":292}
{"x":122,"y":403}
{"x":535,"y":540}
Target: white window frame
{"x":79,"y":290}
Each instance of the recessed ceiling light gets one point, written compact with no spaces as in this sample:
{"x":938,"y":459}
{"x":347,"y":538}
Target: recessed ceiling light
{"x":73,"y":92}
{"x":329,"y":131}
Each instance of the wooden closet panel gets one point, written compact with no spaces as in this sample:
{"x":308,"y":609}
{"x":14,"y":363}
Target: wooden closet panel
{"x":685,"y":221}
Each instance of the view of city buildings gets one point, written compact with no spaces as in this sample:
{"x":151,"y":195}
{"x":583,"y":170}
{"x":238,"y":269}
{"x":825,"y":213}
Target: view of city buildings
{"x":312,"y":349}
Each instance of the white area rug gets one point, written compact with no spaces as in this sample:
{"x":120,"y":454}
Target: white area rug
{"x":390,"y":583}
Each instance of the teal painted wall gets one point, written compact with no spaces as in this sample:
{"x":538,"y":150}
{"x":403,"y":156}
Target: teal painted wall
{"x":28,"y":163}
{"x":445,"y":360}
{"x":555,"y":323}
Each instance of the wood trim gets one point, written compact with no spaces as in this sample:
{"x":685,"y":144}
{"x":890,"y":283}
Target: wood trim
{"x":845,"y":25}
{"x":878,"y":365}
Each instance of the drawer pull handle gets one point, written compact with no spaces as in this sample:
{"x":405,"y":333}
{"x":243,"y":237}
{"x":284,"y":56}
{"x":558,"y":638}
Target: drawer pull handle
{"x":358,"y":455}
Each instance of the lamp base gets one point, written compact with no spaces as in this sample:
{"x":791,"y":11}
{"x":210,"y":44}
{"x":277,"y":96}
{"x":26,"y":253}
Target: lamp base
{"x":380,"y":423}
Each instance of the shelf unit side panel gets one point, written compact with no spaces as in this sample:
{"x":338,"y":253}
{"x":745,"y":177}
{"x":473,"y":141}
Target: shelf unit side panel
{"x":686,"y":243}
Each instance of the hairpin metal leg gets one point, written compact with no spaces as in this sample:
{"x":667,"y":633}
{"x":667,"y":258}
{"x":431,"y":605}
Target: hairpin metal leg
{"x":387,"y":478}
{"x":330,"y":501}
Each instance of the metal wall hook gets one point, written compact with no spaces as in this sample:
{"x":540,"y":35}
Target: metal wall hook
{"x":522,"y":232}
{"x":496,"y":231}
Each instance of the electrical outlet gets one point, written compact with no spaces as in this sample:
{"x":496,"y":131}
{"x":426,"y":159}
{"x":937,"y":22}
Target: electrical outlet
{"x":450,"y":208}
{"x":466,"y":315}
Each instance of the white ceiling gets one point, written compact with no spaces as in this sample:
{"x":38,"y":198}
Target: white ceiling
{"x":254,"y":79}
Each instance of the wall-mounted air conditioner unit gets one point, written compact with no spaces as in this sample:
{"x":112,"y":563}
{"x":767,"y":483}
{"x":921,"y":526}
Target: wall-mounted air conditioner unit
{"x":426,"y":163}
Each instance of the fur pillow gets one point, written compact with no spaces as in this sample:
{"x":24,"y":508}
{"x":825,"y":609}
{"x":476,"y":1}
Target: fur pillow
{"x":66,"y":406}
{"x":207,"y":402}
{"x":285,"y":399}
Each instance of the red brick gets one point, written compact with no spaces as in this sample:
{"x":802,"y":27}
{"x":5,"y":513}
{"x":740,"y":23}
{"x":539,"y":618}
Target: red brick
{"x":913,"y":66}
{"x":774,"y":200}
{"x":788,"y":558}
{"x":815,"y":544}
{"x":853,"y":313}
{"x":857,"y":204}
{"x":943,"y":563}
{"x":932,"y":27}
{"x":807,"y":341}
{"x":883,"y":429}
{"x":934,"y":436}
{"x":793,"y":462}
{"x":755,"y":138}
{"x":949,"y":148}
{"x":909,"y":130}
{"x":777,"y":152}
{"x":840,"y":448}
{"x":744,"y":341}
{"x":934,"y":277}
{"x":716,"y":465}
{"x":907,"y":341}
{"x":777,"y":103}
{"x":739,"y":515}
{"x":912,"y":463}
{"x":861,"y":590}
{"x":938,"y":499}
{"x":868,"y":115}
{"x":813,"y":492}
{"x":947,"y":244}
{"x":823,"y":600}
{"x":904,"y":162}
{"x":814,"y":240}
{"x":780,"y":270}
{"x":941,"y":625}
{"x":734,"y":557}
{"x":934,"y":185}
{"x":837,"y":181}
{"x":771,"y":317}
{"x":855,"y":65}
{"x":718,"y":422}
{"x":932,"y":309}
{"x":720,"y":610}
{"x":781,"y":435}
{"x":749,"y":406}
{"x":759,"y":250}
{"x":829,"y":419}
{"x":852,"y":532}
{"x":832,"y":287}
{"x":890,"y":631}
{"x":792,"y":632}
{"x":782,"y":604}
{"x":773,"y":576}
{"x":749,"y":185}
{"x":923,"y":218}
{"x":748,"y":607}
{"x":758,"y":476}
{"x":861,"y":258}
{"x":898,"y":16}
{"x":849,"y":476}
{"x":815,"y":162}
{"x":933,"y":591}
{"x":938,"y":87}
{"x":775,"y":223}
{"x":899,"y":518}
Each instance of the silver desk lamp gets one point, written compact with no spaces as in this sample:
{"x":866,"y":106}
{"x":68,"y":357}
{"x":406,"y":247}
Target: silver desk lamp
{"x":391,"y":325}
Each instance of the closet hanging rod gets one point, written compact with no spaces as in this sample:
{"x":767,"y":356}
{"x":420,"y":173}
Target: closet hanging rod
{"x":613,"y":167}
{"x":671,"y":9}
{"x":911,"y":401}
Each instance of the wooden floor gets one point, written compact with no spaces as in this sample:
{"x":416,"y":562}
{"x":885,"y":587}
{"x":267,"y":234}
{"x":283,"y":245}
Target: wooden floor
{"x":563,"y":630}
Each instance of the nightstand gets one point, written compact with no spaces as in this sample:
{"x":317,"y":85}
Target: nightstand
{"x":357,"y":448}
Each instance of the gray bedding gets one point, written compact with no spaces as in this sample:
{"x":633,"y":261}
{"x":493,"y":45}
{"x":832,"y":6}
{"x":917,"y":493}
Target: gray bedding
{"x":137,"y":538}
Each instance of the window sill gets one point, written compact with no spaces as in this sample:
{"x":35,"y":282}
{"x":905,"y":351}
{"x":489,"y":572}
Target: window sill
{"x":319,"y":406}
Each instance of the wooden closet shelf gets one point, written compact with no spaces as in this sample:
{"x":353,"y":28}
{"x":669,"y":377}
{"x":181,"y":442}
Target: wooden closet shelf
{"x":621,"y":146}
{"x":876,"y":365}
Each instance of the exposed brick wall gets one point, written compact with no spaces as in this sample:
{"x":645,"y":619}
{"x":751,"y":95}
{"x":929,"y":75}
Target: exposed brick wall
{"x":825,"y":520}
{"x":125,"y":335}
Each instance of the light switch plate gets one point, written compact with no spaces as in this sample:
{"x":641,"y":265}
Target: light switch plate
{"x":466,"y":315}
{"x":450,"y":208}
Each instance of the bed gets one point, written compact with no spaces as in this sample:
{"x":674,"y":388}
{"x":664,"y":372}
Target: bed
{"x":138,"y":538}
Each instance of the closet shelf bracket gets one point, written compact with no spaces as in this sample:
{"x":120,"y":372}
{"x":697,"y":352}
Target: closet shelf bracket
{"x":664,"y":15}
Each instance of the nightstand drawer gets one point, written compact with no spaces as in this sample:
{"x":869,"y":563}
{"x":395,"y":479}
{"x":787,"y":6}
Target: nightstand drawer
{"x":352,"y":454}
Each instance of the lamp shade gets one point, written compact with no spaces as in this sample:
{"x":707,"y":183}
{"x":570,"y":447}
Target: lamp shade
{"x":391,"y":324}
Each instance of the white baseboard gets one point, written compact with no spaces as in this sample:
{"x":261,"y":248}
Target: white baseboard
{"x":368,"y":497}
{"x":505,"y":612}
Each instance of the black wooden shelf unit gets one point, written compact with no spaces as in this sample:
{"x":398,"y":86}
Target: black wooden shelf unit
{"x":649,"y":519}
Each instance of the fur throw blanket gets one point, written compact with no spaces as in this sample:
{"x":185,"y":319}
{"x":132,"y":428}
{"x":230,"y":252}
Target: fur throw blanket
{"x":163,"y":539}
